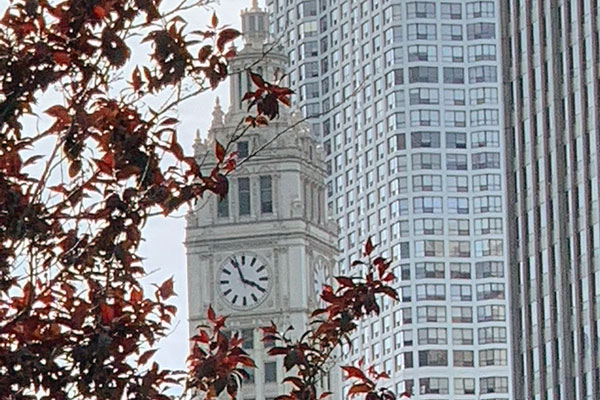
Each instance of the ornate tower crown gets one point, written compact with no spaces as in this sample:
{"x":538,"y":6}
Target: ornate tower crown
{"x":255,"y":25}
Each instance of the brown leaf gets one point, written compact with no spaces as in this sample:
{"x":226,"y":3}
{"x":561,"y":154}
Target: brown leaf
{"x":368,"y":247}
{"x":219,"y":151}
{"x":257,"y":80}
{"x":204,"y":52}
{"x":146,"y":356}
{"x":214,"y":21}
{"x":74,"y":168}
{"x":226,"y":36}
{"x":166,"y":289}
{"x":107,"y":314}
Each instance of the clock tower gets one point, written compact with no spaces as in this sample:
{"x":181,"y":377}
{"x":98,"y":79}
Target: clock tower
{"x":262,"y":253}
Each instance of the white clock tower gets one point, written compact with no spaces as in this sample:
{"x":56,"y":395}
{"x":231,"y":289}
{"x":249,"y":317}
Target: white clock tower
{"x":261,"y":254}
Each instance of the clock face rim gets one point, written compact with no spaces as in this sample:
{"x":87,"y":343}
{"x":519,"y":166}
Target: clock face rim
{"x":227,"y":261}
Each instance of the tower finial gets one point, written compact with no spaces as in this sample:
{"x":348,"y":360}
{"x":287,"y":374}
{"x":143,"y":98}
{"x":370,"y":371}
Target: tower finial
{"x":217,"y":115}
{"x":254,"y":4}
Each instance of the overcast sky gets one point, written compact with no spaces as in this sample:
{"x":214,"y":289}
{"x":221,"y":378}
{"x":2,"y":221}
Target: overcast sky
{"x":163,"y":247}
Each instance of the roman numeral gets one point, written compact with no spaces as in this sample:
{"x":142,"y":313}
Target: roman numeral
{"x":244,"y":302}
{"x":225,"y":293}
{"x":243,"y":260}
{"x":228,"y":272}
{"x":260,"y":268}
{"x":254,"y":297}
{"x":253,"y":261}
{"x":234,"y":300}
{"x":223,"y":282}
{"x":263,"y":278}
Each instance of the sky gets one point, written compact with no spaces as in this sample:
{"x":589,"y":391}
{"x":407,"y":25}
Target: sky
{"x":163,"y":247}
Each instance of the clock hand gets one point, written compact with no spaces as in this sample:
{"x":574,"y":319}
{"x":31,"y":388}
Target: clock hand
{"x":239,"y":270}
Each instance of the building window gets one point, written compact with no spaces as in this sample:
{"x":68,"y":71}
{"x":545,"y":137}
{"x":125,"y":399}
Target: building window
{"x":432,"y":336}
{"x":427,"y":183}
{"x":490,"y":357}
{"x":266,"y":194}
{"x":480,"y":9}
{"x":223,"y":207}
{"x":422,"y":53}
{"x":423,"y":75}
{"x":426,"y":270}
{"x":452,"y":32}
{"x":433,"y":385}
{"x":423,"y":96}
{"x":487,"y":291}
{"x":464,"y":386}
{"x":482,"y":52}
{"x":485,"y":139}
{"x":455,"y":119}
{"x":458,"y":205}
{"x":481,"y":30}
{"x":247,"y":336}
{"x":459,"y":248}
{"x":460,"y":271}
{"x":426,"y":161}
{"x":451,"y":11}
{"x":420,"y":9}
{"x":462,"y":314}
{"x":425,"y":140}
{"x":463,"y":358}
{"x":484,"y":226}
{"x":459,"y":227}
{"x":431,"y":314}
{"x":457,"y":183}
{"x":462,"y":336}
{"x":493,"y":384}
{"x":270,"y":372}
{"x":486,"y":160}
{"x":429,"y":226}
{"x":491,"y":313}
{"x":427,"y":205}
{"x":482,"y":183}
{"x":483,"y":73}
{"x":433,"y":358}
{"x":242,"y":149}
{"x":454,"y":97}
{"x":486,"y":204}
{"x":461,"y":292}
{"x":431,"y":292}
{"x":453,"y":54}
{"x":244,"y":195}
{"x":491,"y":334}
{"x":456,"y":162}
{"x":489,"y":269}
{"x":489,"y":247}
{"x":424,"y":118}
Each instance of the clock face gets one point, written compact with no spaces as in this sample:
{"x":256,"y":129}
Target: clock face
{"x":244,"y":280}
{"x":320,"y":278}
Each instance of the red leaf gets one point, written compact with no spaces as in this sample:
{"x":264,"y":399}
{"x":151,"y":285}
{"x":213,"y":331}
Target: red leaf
{"x":136,"y":79}
{"x":294,"y":380}
{"x":204,"y":52}
{"x":166,"y":289}
{"x":146,"y":356}
{"x":107,"y":314}
{"x":219,"y":151}
{"x":226,"y":36}
{"x":61,"y":58}
{"x":214,"y":21}
{"x":404,"y":394}
{"x":98,"y":12}
{"x":59,"y":112}
{"x":359,"y":388}
{"x":210,"y":314}
{"x":74,"y":168}
{"x":135,"y":296}
{"x":368,"y":247}
{"x":353,"y":372}
{"x":324,"y":395}
{"x":169,"y":121}
{"x":257,"y":80}
{"x":344,"y":281}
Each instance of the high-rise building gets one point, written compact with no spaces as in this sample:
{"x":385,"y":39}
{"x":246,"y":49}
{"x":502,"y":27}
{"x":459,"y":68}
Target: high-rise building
{"x":405,"y":98}
{"x":258,"y":255}
{"x":552,"y":105}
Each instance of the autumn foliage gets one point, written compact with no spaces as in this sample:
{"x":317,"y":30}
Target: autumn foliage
{"x":76,"y":192}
